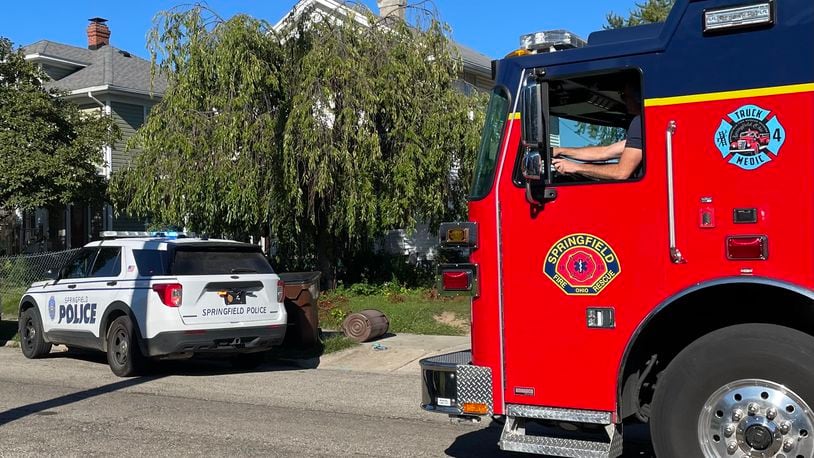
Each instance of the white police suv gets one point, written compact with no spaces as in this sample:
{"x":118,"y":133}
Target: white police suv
{"x":157,"y":296}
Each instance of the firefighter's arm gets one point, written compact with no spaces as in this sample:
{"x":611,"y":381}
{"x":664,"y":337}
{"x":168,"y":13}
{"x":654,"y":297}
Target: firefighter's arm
{"x":592,"y":153}
{"x":629,"y":160}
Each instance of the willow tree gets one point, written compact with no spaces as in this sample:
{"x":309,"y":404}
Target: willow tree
{"x":321,"y":135}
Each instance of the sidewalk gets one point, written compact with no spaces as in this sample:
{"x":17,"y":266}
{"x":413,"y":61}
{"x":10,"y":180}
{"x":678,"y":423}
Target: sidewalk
{"x":398,"y":354}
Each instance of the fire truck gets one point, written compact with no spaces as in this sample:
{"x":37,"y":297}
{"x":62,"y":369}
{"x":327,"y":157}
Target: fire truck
{"x":680,"y":295}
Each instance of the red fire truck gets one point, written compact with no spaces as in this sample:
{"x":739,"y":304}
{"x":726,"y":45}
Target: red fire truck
{"x":681,"y":295}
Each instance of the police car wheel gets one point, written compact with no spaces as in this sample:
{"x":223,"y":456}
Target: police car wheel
{"x":744,"y":390}
{"x":32,"y":342}
{"x":123,"y":353}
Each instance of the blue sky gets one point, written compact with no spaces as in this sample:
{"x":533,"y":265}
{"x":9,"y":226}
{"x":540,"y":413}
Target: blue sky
{"x":491,"y":27}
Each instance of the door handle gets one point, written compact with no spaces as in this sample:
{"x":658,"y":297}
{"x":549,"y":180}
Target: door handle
{"x":112,"y":283}
{"x":71,"y":286}
{"x":675,"y":253}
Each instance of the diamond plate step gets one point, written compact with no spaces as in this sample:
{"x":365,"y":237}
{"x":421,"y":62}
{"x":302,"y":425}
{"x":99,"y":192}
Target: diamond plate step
{"x":514,"y":439}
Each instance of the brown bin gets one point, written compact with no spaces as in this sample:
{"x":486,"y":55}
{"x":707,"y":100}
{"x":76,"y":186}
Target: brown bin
{"x":366,"y":325}
{"x":301,"y":294}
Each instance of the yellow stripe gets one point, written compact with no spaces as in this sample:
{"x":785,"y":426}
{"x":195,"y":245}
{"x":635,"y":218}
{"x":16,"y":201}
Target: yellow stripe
{"x":515,"y":115}
{"x":713,"y":96}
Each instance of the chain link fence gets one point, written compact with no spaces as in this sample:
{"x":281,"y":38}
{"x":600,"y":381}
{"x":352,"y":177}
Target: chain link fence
{"x":18,"y":272}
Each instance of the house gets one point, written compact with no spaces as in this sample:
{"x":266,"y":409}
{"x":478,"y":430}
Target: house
{"x":477,"y":68}
{"x":476,"y":75}
{"x":99,"y":79}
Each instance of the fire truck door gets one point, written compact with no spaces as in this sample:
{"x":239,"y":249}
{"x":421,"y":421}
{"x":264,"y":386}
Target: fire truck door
{"x":572,"y":266}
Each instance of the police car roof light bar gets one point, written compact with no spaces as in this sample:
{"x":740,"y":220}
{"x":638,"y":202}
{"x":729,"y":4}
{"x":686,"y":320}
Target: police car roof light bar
{"x":143,"y":234}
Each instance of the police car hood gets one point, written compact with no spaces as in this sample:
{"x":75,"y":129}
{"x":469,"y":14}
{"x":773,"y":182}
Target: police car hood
{"x":40,"y":283}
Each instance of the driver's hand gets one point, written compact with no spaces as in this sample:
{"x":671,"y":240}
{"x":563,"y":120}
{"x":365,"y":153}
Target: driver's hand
{"x":565,"y":167}
{"x":556,"y":151}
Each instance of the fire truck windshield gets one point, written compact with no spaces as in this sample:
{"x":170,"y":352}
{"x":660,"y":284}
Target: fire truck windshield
{"x":490,"y":142}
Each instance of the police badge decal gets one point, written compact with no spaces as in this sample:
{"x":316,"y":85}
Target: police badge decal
{"x":52,"y":308}
{"x":749,"y":138}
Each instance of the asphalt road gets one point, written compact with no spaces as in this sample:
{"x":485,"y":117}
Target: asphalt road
{"x":70,"y":404}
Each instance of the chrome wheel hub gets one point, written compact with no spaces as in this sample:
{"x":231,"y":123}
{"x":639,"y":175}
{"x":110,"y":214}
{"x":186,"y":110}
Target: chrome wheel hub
{"x":756,"y":419}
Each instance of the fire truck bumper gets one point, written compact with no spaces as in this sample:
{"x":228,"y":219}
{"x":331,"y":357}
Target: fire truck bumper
{"x":450,"y":384}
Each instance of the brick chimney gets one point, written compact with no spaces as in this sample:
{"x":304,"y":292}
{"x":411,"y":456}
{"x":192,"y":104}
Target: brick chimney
{"x":98,"y":33}
{"x":392,"y":8}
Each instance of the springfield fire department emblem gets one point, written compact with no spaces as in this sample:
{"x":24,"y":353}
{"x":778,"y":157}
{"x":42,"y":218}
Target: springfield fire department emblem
{"x":581,"y":264}
{"x":748,"y":138}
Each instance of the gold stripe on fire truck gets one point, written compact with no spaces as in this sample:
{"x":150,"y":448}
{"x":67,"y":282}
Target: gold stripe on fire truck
{"x":515,"y":115}
{"x":713,"y":96}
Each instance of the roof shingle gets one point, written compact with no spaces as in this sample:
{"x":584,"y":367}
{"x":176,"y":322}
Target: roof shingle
{"x":106,"y":66}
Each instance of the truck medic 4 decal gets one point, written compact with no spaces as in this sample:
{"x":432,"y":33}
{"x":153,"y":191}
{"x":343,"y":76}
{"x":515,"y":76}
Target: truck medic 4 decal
{"x":581,"y":264}
{"x":747,"y":136}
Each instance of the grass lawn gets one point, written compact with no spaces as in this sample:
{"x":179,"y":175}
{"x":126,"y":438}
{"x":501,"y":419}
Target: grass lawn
{"x":414,"y":311}
{"x":10,"y":297}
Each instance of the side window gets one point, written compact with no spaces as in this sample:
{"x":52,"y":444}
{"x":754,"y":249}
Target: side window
{"x":152,"y":262}
{"x":595,"y":127}
{"x":108,"y":263}
{"x":79,"y":266}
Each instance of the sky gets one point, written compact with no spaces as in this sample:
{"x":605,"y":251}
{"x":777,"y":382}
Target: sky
{"x":490,"y":27}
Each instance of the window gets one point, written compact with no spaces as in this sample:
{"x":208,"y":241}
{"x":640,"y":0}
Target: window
{"x":79,"y":266}
{"x":202,"y":260}
{"x":108,"y":263}
{"x":595,"y":128}
{"x":151,"y":262}
{"x":219,"y":260}
{"x":490,"y":143}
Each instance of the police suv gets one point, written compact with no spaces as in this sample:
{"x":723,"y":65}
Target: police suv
{"x":157,"y":296}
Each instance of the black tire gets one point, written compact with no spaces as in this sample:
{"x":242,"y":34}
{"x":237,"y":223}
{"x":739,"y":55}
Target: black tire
{"x":123,"y":352}
{"x":32,"y":342}
{"x":248,"y":361}
{"x":749,"y":351}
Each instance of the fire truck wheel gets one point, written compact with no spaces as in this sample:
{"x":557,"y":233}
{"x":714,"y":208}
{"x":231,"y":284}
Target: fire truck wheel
{"x":744,"y":390}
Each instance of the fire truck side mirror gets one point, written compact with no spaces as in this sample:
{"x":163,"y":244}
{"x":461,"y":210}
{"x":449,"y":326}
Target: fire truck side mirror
{"x":532,"y":116}
{"x":532,"y":165}
{"x":532,"y":168}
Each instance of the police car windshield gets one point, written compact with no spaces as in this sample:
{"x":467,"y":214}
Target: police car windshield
{"x":202,"y":260}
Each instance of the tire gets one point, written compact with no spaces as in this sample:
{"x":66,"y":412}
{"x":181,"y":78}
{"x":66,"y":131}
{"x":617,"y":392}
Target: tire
{"x":123,"y":352}
{"x":32,"y":342}
{"x":704,"y":399}
{"x":248,"y":361}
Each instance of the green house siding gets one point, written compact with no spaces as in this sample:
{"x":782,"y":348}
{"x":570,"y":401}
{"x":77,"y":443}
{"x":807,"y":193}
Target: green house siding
{"x":129,"y":118}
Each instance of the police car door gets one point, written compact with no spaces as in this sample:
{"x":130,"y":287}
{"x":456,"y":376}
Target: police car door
{"x":573,"y":261}
{"x":65,"y":293}
{"x":89,"y":284}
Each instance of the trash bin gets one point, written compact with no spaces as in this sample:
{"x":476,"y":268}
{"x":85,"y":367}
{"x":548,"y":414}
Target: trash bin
{"x":366,"y":325}
{"x":301,"y":294}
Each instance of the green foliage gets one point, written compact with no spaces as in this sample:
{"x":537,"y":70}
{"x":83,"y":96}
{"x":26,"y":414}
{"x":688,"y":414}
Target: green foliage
{"x":323,"y":136}
{"x":415,"y":312}
{"x":337,"y":343}
{"x":644,"y":13}
{"x":10,"y":300}
{"x":49,"y":150}
{"x":338,"y":315}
